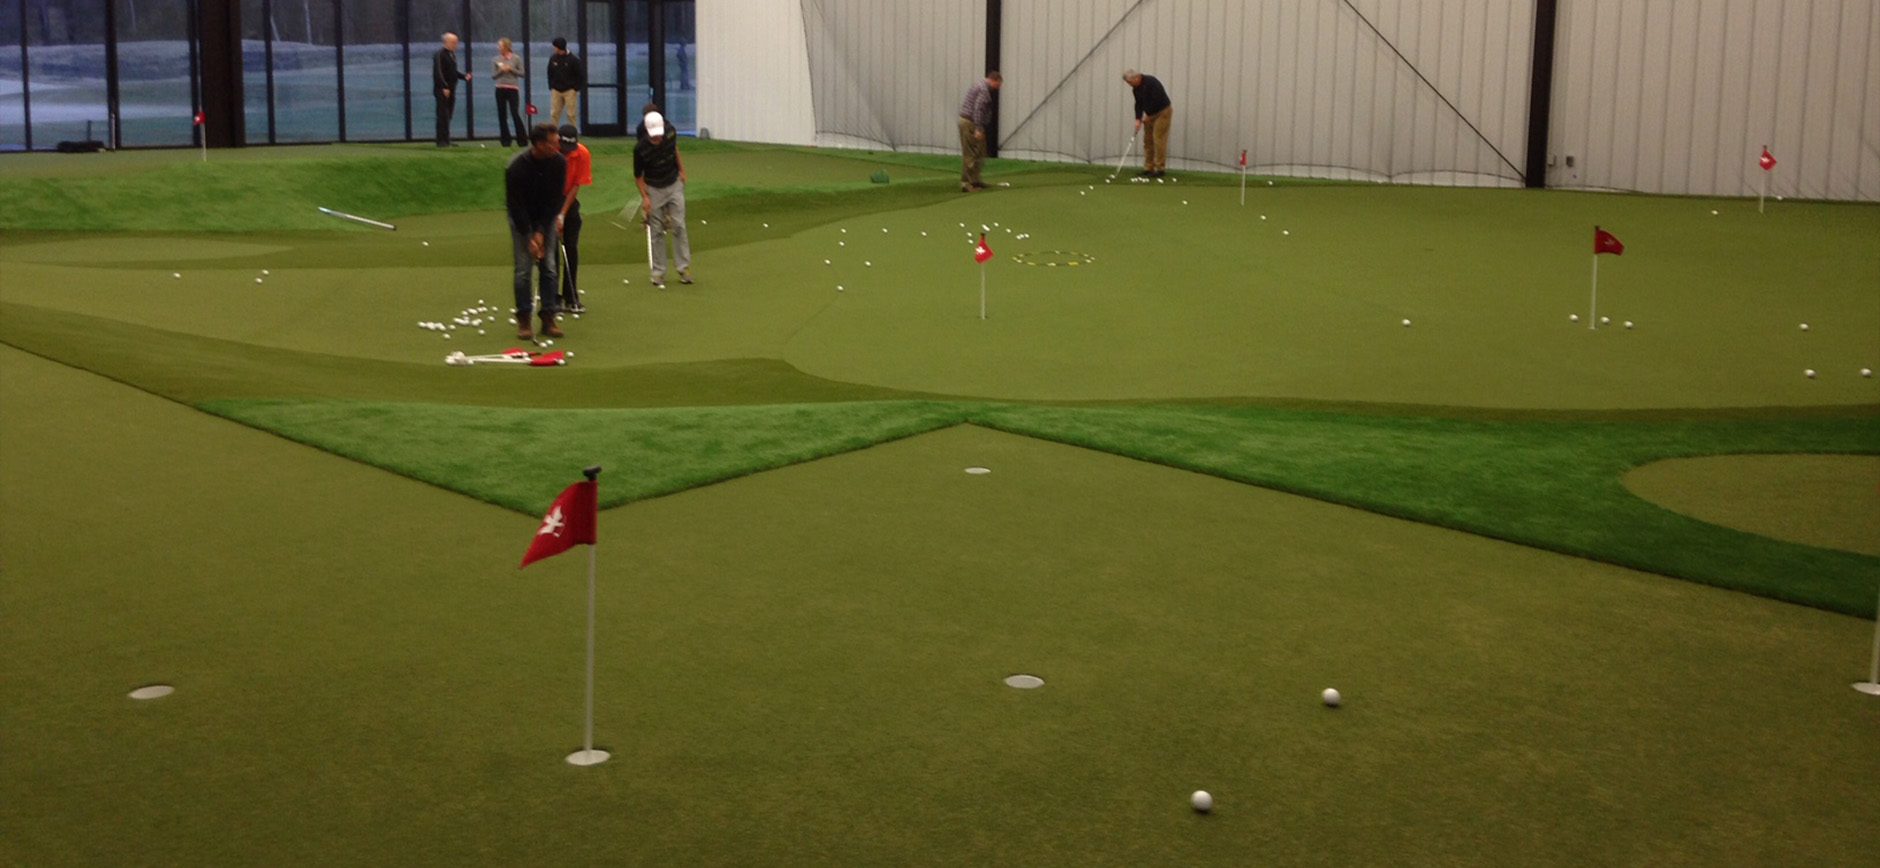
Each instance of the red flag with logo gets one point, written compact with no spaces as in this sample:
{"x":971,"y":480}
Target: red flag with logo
{"x":199,"y":119}
{"x":1767,"y":160}
{"x":982,"y":252}
{"x":1606,"y":242}
{"x":1243,"y":158}
{"x":569,"y":522}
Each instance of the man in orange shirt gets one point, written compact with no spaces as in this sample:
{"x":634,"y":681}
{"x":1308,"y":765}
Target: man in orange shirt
{"x":580,"y":173}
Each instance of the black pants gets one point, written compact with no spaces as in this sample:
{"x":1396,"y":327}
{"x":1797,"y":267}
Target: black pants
{"x":571,"y":239}
{"x":508,"y":107}
{"x":446,"y":106}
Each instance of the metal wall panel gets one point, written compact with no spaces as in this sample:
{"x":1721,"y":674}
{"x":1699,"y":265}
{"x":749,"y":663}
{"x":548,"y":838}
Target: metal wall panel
{"x":753,"y":68}
{"x":892,"y":74}
{"x":1421,"y":91}
{"x":1680,"y":96}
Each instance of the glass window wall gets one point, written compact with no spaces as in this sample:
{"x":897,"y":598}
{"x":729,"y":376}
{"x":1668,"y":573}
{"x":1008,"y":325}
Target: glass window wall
{"x":375,"y":76}
{"x":154,"y":105}
{"x":65,"y":64}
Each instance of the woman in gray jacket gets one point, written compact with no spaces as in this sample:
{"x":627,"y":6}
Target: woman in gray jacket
{"x":508,"y":81}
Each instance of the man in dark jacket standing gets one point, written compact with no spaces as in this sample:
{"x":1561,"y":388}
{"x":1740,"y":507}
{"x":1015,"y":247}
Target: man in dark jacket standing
{"x":444,"y":78}
{"x":1153,"y":114}
{"x":566,"y":77}
{"x":533,"y":187}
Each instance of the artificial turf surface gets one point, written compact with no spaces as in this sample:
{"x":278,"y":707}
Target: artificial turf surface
{"x":812,"y":654}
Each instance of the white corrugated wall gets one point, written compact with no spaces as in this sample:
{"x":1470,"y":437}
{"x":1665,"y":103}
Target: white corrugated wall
{"x":1680,"y":96}
{"x":753,"y":71}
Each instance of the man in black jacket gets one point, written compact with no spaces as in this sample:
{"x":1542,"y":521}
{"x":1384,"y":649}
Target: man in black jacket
{"x":533,"y":191}
{"x":566,"y":77}
{"x":444,"y":78}
{"x":1153,"y":115}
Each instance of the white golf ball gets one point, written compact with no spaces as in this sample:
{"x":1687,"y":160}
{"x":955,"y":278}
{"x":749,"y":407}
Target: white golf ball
{"x":1809,"y":373}
{"x":842,"y":244}
{"x":1804,"y":326}
{"x":1080,"y":192}
{"x":425,"y":243}
{"x":1262,"y":216}
{"x":1778,"y":198}
{"x":1106,"y":181}
{"x":1201,"y":801}
{"x":257,"y":280}
{"x":1628,"y":323}
{"x":766,"y":225}
{"x":447,"y":336}
{"x":704,"y":223}
{"x":1573,"y":317}
{"x":1331,"y":697}
{"x":1184,"y":201}
{"x":867,"y":264}
{"x":825,"y":262}
{"x":1866,"y":372}
{"x":884,"y":230}
{"x":624,"y":280}
{"x":923,"y":233}
{"x":1285,"y":232}
{"x":1713,"y":213}
{"x":1605,"y":319}
{"x":177,"y":274}
{"x":264,"y":272}
{"x":838,"y":287}
{"x":480,"y":331}
{"x":1406,"y":323}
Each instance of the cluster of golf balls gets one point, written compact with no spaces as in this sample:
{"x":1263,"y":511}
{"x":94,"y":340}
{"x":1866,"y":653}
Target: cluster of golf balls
{"x":469,"y":317}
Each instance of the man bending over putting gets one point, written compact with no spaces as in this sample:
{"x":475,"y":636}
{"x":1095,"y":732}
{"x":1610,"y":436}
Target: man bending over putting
{"x":533,"y":183}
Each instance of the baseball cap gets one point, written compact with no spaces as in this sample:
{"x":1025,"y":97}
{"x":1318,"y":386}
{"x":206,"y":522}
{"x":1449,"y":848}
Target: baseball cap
{"x":569,"y":136}
{"x":560,"y":42}
{"x":655,"y":124}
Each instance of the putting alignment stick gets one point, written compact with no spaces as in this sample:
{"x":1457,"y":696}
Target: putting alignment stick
{"x":357,"y":219}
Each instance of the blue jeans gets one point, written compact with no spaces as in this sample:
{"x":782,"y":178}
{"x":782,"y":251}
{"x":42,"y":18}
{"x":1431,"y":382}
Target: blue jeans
{"x":550,"y":267}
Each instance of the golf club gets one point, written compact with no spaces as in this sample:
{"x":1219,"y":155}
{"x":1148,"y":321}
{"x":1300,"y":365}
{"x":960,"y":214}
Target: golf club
{"x":1127,"y":150}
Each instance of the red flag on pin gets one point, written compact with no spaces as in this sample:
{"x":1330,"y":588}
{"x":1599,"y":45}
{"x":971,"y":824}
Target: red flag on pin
{"x":1767,"y":160}
{"x":1243,"y":158}
{"x":982,"y":252}
{"x":1606,"y":242}
{"x":569,"y":522}
{"x":199,"y":118}
{"x":531,"y":108}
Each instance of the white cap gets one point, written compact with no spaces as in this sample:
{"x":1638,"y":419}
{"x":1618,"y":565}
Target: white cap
{"x":655,"y":124}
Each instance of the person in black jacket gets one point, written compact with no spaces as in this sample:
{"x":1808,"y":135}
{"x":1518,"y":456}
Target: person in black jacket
{"x":444,"y":78}
{"x":532,"y":184}
{"x":566,"y":77}
{"x":1153,"y":115}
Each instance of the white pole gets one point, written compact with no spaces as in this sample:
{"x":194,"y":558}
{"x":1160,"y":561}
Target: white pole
{"x":205,"y":146}
{"x":982,"y":290}
{"x":587,"y":755}
{"x":1592,"y":311}
{"x":1243,"y":181}
{"x":1765,"y":192}
{"x":1872,"y":684}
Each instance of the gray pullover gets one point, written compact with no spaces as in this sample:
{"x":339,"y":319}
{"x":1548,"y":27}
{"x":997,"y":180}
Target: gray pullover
{"x":508,"y":71}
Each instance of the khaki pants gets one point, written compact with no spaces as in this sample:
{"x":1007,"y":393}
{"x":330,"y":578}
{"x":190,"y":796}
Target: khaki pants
{"x":1155,"y":140}
{"x":972,"y":154}
{"x":568,"y":100}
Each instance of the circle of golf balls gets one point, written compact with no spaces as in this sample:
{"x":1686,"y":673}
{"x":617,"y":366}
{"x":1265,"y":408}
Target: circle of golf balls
{"x":1331,"y":697}
{"x":1202,"y":801}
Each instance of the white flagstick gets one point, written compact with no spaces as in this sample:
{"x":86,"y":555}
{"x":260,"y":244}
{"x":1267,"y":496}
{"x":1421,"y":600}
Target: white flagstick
{"x":588,"y":756}
{"x":1592,"y":312}
{"x":1765,"y":192}
{"x":1243,"y":178}
{"x":1872,"y":685}
{"x":982,"y":290}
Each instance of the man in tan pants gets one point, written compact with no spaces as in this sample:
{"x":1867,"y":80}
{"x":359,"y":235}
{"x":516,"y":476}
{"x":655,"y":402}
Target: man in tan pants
{"x":1153,"y":114}
{"x":975,"y":114}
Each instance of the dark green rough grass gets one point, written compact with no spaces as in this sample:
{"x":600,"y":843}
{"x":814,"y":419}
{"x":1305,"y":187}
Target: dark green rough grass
{"x":520,"y":458}
{"x":1551,"y":484}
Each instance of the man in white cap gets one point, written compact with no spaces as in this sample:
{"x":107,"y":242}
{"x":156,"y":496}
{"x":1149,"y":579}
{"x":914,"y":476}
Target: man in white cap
{"x":661,"y":178}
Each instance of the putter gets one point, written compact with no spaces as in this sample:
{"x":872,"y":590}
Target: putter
{"x":566,"y":282}
{"x":1127,"y":150}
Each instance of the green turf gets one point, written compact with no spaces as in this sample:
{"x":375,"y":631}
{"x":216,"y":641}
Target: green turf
{"x":802,"y":668}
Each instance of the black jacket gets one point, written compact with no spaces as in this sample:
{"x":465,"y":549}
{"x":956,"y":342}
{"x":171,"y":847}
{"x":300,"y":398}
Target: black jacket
{"x":444,"y":74}
{"x":565,"y":72}
{"x":1150,"y":97}
{"x":533,"y":189}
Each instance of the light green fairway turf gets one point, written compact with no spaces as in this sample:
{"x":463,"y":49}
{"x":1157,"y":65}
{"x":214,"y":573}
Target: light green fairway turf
{"x":802,"y":668}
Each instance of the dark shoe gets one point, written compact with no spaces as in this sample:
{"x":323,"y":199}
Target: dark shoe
{"x":522,"y":326}
{"x":685,"y":276}
{"x":1158,"y":174}
{"x":574,"y":307}
{"x":967,"y":188}
{"x":1145,"y":174}
{"x":548,"y":325}
{"x":981,"y":186}
{"x":659,"y":281}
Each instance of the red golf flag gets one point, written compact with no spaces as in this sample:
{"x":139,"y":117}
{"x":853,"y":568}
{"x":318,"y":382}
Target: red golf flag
{"x":569,"y":522}
{"x":1606,"y":242}
{"x":982,"y":252}
{"x":199,"y":119}
{"x":1767,"y":160}
{"x":1243,"y":158}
